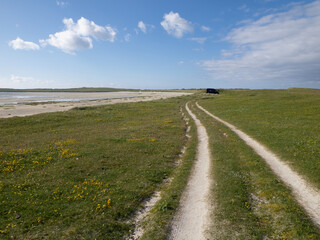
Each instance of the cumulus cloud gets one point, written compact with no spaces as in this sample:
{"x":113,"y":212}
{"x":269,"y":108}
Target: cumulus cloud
{"x":205,"y":28}
{"x":142,"y":27}
{"x":176,"y":25}
{"x":78,"y":36}
{"x":199,"y":40}
{"x":23,"y":45}
{"x":277,"y":47}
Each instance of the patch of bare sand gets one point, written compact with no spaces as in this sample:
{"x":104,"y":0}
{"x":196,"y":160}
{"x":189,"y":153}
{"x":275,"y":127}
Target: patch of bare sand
{"x":307,"y":196}
{"x":22,"y":109}
{"x":192,"y":218}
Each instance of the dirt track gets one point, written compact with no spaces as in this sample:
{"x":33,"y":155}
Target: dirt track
{"x":306,"y":195}
{"x":192,"y":217}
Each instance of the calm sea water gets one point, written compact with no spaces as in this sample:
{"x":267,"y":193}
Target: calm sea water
{"x":4,"y":95}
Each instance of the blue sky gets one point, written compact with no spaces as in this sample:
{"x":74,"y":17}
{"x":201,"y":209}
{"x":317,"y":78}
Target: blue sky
{"x":159,"y":44}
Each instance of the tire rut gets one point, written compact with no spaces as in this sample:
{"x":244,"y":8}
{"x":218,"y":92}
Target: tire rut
{"x":192,"y":217}
{"x":306,"y":195}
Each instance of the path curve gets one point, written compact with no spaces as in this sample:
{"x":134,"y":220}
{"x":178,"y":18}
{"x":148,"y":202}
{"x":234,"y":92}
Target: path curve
{"x":307,"y":196}
{"x":192,"y":217}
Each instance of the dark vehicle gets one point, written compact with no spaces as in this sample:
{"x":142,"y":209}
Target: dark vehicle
{"x":212,"y":90}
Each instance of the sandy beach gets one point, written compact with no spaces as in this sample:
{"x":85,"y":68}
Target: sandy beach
{"x":36,"y":103}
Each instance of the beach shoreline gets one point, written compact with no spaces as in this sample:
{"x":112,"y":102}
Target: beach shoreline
{"x":49,"y":102}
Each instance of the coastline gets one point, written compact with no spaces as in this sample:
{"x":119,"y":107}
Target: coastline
{"x":51,"y":103}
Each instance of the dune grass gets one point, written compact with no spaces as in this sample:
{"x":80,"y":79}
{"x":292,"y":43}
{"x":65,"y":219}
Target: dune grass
{"x":81,"y":174}
{"x":249,"y":201}
{"x":286,"y":121}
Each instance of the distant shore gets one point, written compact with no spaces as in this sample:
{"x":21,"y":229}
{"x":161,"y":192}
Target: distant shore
{"x":42,"y":102}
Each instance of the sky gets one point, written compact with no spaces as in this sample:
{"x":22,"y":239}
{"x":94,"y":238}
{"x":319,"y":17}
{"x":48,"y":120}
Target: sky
{"x":159,"y":44}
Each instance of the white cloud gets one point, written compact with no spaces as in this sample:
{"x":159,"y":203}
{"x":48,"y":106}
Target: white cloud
{"x":61,"y":3}
{"x":244,"y":8}
{"x":199,"y":40}
{"x":142,"y":27}
{"x":68,"y":41}
{"x":277,"y":47}
{"x":205,"y":28}
{"x":176,"y":25}
{"x":78,"y":36}
{"x":25,"y":82}
{"x":127,"y":37}
{"x":19,"y":79}
{"x":21,"y":44}
{"x":180,"y":62}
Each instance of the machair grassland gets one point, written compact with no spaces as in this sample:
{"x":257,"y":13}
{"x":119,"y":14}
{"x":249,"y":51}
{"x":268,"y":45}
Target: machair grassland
{"x":83,"y":173}
{"x":286,"y":121}
{"x":250,"y":201}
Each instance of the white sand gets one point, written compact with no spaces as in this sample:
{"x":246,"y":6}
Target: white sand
{"x":21,"y":109}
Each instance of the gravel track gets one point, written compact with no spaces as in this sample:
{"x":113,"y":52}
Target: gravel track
{"x":192,"y":218}
{"x":307,"y":196}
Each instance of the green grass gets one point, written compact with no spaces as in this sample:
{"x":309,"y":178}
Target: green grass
{"x":83,"y":173}
{"x":158,"y":223}
{"x":249,"y":201}
{"x":286,"y":121}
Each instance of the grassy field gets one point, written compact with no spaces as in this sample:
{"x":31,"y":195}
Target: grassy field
{"x":83,"y":173}
{"x":286,"y":121}
{"x":249,"y":201}
{"x":157,"y":225}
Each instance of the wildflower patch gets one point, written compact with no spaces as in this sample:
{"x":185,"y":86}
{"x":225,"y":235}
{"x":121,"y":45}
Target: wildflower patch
{"x":84,"y":172}
{"x":24,"y":159}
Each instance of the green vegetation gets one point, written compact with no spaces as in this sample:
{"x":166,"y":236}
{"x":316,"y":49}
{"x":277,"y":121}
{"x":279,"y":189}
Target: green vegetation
{"x":83,"y":173}
{"x":286,"y":121}
{"x":157,"y":225}
{"x":249,"y":201}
